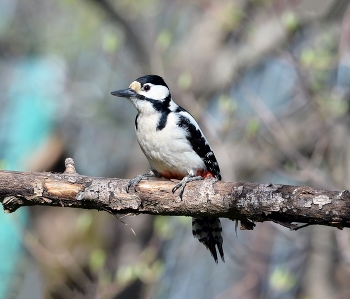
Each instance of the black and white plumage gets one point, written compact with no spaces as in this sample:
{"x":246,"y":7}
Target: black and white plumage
{"x":175,"y":147}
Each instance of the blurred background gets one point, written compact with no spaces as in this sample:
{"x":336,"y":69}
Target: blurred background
{"x":267,"y":80}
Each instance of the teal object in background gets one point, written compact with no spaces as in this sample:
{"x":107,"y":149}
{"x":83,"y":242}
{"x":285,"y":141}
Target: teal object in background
{"x":11,"y":250}
{"x":26,"y":122}
{"x":27,"y":118}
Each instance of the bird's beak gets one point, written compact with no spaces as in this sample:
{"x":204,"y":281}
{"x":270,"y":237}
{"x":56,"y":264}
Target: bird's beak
{"x":124,"y":93}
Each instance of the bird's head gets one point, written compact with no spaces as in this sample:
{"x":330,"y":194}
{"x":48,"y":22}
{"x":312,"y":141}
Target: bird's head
{"x":150,"y":88}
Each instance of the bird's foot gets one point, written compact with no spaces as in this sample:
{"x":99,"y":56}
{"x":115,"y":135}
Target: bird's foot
{"x":134,"y":182}
{"x":183,"y":182}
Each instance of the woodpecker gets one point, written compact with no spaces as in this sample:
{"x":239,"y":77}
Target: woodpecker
{"x":175,"y":148}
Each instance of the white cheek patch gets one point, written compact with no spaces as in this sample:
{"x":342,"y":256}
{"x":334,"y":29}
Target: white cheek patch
{"x":157,"y":92}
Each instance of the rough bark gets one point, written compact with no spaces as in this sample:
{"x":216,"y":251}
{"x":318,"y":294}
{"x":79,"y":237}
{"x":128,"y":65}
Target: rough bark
{"x":242,"y":201}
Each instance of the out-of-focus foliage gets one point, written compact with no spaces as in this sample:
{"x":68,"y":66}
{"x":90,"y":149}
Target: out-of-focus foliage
{"x":268,"y":82}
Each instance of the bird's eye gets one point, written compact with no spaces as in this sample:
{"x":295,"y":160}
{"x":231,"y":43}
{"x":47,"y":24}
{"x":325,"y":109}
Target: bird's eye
{"x":147,"y":88}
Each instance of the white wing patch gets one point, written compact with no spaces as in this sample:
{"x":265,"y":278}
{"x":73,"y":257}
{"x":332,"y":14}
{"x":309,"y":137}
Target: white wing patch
{"x":190,"y":117}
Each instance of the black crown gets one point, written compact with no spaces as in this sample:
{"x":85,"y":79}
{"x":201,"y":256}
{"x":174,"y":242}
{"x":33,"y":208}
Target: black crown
{"x":154,"y":79}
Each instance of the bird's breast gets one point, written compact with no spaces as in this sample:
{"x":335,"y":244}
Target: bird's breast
{"x":168,"y":150}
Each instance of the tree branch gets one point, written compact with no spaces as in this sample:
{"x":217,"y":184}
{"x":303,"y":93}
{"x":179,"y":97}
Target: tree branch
{"x":242,"y":201}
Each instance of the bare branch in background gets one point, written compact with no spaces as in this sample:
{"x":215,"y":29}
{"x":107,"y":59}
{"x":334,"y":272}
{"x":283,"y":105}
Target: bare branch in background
{"x":131,"y":37}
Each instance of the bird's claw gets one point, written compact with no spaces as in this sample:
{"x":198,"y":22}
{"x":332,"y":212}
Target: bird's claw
{"x":184,"y":182}
{"x":177,"y":186}
{"x":134,"y":182}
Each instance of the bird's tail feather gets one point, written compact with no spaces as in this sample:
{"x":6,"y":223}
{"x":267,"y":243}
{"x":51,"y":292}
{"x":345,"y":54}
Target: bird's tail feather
{"x":208,"y":231}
